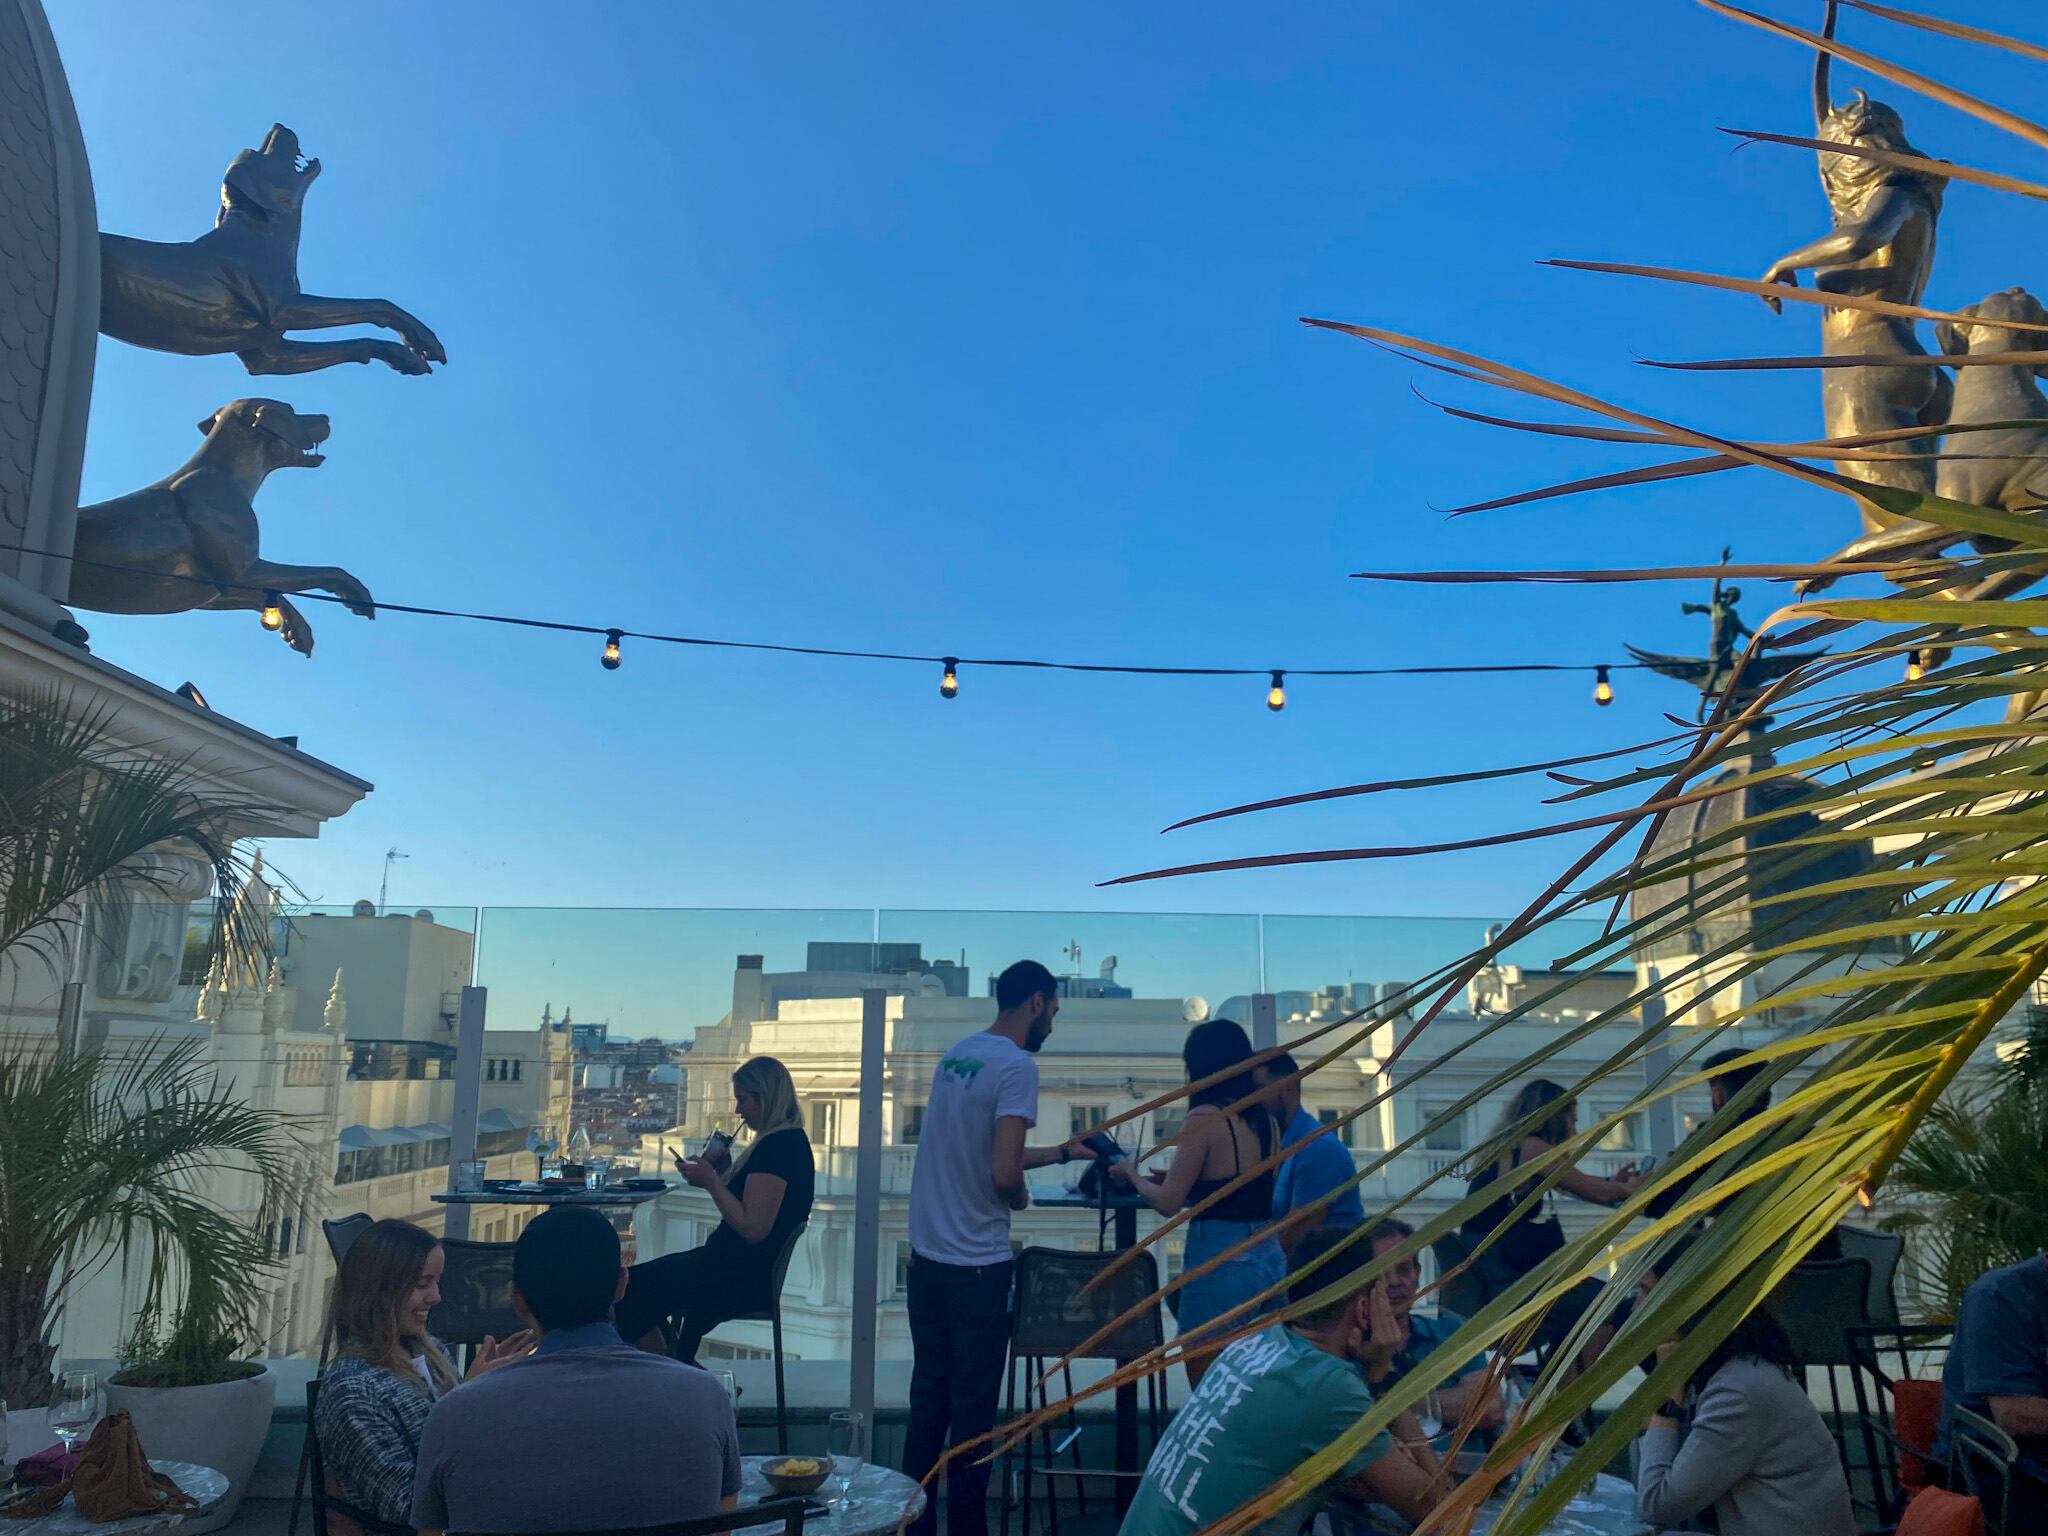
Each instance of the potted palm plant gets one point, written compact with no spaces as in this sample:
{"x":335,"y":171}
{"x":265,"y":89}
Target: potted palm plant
{"x":102,"y":1154}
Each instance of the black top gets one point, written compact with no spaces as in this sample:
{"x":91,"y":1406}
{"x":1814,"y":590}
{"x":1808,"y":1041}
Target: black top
{"x":1252,"y":1201}
{"x":1532,"y":1239}
{"x":787,"y":1156}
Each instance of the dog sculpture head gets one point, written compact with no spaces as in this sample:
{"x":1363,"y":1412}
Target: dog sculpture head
{"x":278,"y":436}
{"x":1958,"y":338}
{"x":269,"y":182}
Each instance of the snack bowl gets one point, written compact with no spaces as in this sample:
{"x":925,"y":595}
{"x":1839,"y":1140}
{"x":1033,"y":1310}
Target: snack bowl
{"x":797,"y":1474}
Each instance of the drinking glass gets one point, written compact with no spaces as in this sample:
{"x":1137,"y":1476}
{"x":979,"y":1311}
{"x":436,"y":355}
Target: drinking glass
{"x":731,"y":1383}
{"x":597,"y":1173}
{"x":74,"y":1406}
{"x":550,"y":1153}
{"x":847,"y":1439}
{"x":469,"y":1176}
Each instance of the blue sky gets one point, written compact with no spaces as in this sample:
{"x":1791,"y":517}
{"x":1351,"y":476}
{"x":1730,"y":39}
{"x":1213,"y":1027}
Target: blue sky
{"x":972,"y":329}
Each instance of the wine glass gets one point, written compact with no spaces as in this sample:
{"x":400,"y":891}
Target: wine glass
{"x":847,"y":1439}
{"x":74,"y":1406}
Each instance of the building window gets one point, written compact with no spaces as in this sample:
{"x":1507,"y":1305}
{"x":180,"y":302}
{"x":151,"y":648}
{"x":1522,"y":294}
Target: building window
{"x":1167,"y":1122}
{"x":902,"y":1270}
{"x":1346,"y":1133}
{"x":1448,"y":1137}
{"x":911,"y":1125}
{"x":1083,"y":1118}
{"x":516,"y":1065}
{"x":824,"y":1122}
{"x":1625,"y":1135}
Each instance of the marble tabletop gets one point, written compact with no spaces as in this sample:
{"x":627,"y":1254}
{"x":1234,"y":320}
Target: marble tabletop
{"x":203,"y":1483}
{"x":881,"y":1497}
{"x":1608,"y":1508}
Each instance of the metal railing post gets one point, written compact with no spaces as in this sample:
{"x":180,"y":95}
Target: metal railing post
{"x":469,"y":1088}
{"x":867,"y":1201}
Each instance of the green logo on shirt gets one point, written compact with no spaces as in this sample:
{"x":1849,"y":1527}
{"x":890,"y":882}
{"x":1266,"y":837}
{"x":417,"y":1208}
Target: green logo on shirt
{"x":961,"y":1066}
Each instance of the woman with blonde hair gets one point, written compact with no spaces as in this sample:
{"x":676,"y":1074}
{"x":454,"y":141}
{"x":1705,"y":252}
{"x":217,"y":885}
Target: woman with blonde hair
{"x":762,"y":1198}
{"x":387,"y":1372}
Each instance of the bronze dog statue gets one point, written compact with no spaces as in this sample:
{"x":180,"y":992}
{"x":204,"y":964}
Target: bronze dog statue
{"x":236,"y":288}
{"x":190,"y":541}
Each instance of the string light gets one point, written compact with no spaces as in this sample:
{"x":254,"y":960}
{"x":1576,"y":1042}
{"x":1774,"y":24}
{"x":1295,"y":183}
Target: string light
{"x":611,"y":659}
{"x":1603,"y":690}
{"x":1914,"y":671}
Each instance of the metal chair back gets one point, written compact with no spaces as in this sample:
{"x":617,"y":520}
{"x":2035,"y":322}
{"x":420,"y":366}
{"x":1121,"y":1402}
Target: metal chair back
{"x":1460,"y":1290}
{"x":342,"y":1232}
{"x":1981,"y":1459}
{"x":1056,"y":1314}
{"x":1820,"y":1306}
{"x":1881,"y":1251}
{"x":476,"y":1294}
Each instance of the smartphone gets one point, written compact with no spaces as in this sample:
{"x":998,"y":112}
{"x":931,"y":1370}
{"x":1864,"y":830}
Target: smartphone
{"x":1103,"y":1146}
{"x":1643,"y":1168}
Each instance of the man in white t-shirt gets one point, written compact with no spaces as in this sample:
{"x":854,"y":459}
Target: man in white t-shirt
{"x":969,"y":1177}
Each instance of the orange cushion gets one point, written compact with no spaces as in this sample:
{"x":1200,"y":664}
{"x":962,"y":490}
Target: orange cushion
{"x":1916,"y":1412}
{"x":1937,"y":1512}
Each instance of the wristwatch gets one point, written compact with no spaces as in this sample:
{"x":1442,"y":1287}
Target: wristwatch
{"x":1671,"y":1409}
{"x":1066,"y":1154}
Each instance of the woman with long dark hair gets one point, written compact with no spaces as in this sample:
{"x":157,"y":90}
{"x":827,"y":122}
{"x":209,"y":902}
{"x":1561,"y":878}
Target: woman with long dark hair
{"x":1217,"y":1144}
{"x":762,"y":1198}
{"x":387,"y":1372}
{"x":1746,"y":1442}
{"x":1541,"y":1118}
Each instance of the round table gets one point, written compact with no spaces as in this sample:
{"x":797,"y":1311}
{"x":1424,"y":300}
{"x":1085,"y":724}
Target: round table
{"x":878,"y":1501}
{"x":1608,"y":1508}
{"x":203,"y":1483}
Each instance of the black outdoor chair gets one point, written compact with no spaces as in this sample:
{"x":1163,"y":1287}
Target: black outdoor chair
{"x":326,"y":1503}
{"x":1881,"y":1251}
{"x":1823,"y":1308}
{"x":671,"y":1331}
{"x":476,"y":1296}
{"x":1891,"y":1363}
{"x":789,"y":1512}
{"x":342,"y":1232}
{"x":1981,"y":1460}
{"x":1463,"y":1291}
{"x":1056,"y":1315}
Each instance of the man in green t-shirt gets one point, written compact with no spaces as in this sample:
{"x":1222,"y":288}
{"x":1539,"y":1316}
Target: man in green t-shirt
{"x":1276,"y":1396}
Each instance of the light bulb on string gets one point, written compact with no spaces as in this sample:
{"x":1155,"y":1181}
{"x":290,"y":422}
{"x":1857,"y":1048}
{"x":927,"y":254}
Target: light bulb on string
{"x":273,"y":612}
{"x":949,"y":684}
{"x":611,"y":658}
{"x":1914,"y":671}
{"x":1276,"y":696}
{"x":1603,"y":690}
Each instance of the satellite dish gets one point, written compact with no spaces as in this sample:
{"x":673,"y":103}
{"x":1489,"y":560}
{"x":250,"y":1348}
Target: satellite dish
{"x":1195,"y":1009}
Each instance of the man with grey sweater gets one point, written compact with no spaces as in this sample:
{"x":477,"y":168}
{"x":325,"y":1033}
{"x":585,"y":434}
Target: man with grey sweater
{"x":516,"y":1450}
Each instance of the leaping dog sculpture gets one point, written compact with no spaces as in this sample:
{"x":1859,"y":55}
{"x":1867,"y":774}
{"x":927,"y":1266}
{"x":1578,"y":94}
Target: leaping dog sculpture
{"x":236,"y":288}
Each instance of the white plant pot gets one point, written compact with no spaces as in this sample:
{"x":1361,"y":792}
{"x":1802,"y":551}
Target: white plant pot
{"x":221,"y":1426}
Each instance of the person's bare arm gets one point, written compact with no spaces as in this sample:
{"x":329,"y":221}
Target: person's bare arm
{"x":2020,"y":1416}
{"x":1398,"y":1481}
{"x":1586,"y":1186}
{"x":1455,"y":1400}
{"x":1169,"y":1194}
{"x":1009,"y":1162}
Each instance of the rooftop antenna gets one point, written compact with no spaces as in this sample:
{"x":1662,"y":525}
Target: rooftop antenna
{"x":392,"y":856}
{"x":1073,"y":953}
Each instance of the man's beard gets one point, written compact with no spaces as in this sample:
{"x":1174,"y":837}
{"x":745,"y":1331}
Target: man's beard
{"x":1036,"y":1036}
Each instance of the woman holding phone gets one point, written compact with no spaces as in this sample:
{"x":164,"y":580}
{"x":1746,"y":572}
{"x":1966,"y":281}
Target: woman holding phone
{"x":762,"y":1198}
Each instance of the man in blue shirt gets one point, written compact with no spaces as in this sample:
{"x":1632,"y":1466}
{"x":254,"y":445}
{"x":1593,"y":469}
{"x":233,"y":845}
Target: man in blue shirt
{"x":1998,"y":1364}
{"x":520,"y":1449}
{"x":1443,"y":1410}
{"x":1318,"y":1164}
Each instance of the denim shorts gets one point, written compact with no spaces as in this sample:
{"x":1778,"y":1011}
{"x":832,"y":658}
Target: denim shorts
{"x":1215,"y":1293}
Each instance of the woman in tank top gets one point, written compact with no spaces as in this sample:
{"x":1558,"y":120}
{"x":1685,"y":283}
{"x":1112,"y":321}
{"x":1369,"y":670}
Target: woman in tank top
{"x":1212,"y":1149}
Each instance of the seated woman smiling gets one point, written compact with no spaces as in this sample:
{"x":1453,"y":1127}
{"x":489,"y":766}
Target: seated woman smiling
{"x":387,"y":1372}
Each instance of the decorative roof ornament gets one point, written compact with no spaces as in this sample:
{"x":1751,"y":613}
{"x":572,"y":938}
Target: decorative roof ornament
{"x":1713,"y":673}
{"x":334,"y":1016}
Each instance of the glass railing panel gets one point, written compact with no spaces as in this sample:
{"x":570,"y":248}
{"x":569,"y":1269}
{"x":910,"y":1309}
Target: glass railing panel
{"x":1133,"y":985}
{"x":646,"y":1014}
